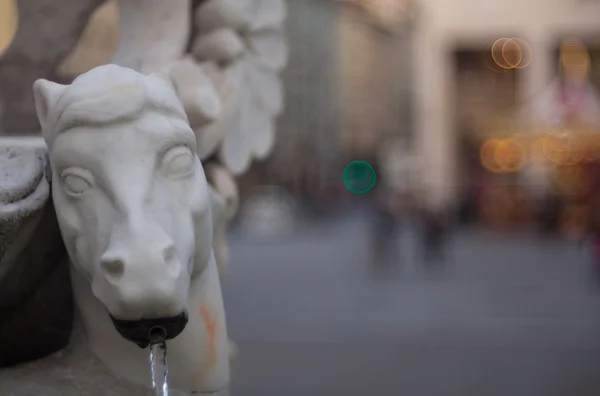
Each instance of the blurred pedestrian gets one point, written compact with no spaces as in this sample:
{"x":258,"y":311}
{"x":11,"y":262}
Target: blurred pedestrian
{"x":593,"y":241}
{"x":549,"y":215}
{"x":434,"y":232}
{"x":383,"y":226}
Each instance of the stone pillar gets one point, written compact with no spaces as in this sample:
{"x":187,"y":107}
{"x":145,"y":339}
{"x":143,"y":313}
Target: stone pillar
{"x":434,"y":138}
{"x":539,"y":73}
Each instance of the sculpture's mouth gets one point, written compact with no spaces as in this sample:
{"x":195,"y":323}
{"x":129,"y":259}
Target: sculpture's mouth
{"x":143,"y":331}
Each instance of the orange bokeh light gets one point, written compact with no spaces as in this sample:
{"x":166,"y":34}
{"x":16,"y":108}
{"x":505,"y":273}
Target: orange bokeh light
{"x":502,"y":155}
{"x":511,"y":53}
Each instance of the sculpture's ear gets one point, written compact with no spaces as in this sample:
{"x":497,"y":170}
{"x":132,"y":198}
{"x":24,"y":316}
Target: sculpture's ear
{"x":217,"y":207}
{"x":225,"y":187}
{"x":46,"y":94}
{"x":223,"y":205}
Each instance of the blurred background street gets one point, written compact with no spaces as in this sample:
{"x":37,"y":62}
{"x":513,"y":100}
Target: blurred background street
{"x":503,"y":315}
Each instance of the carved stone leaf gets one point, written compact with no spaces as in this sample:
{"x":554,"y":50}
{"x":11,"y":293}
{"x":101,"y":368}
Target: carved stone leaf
{"x":235,"y":151}
{"x":264,"y":141}
{"x":226,"y":82}
{"x":220,"y":45}
{"x":265,"y":84}
{"x":264,"y":14}
{"x":196,"y":92}
{"x":209,"y":136}
{"x":241,"y":15}
{"x":257,"y":123}
{"x":271,"y":47}
{"x":247,"y":121}
{"x":215,"y":14}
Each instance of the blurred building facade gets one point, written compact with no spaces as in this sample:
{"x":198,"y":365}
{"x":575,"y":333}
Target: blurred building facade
{"x":307,"y":144}
{"x":374,"y":82}
{"x":347,"y":88}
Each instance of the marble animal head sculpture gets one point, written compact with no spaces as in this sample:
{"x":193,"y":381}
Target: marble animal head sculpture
{"x":128,"y":189}
{"x":134,"y":210}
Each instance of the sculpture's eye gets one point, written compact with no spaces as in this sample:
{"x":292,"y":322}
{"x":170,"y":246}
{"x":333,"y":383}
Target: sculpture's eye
{"x":76,"y":181}
{"x":179,"y":162}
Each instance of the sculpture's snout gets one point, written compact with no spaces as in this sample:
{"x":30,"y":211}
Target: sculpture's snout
{"x":162,"y":261}
{"x":142,"y":291}
{"x":144,"y":331}
{"x":141,"y":280}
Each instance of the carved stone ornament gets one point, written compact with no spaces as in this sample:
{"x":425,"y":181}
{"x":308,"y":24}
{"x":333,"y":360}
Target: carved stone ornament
{"x":114,"y":221}
{"x":241,"y":46}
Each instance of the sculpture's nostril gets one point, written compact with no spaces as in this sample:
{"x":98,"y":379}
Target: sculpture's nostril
{"x":171,"y":260}
{"x":113,"y":269}
{"x":169,"y":253}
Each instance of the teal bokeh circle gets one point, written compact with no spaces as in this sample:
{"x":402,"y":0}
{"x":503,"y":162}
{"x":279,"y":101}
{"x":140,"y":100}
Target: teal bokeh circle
{"x":359,"y":177}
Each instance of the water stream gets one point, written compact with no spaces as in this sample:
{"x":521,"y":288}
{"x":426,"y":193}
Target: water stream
{"x":159,"y":367}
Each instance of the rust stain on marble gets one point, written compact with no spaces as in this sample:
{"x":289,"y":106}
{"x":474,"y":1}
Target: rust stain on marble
{"x":211,"y":324}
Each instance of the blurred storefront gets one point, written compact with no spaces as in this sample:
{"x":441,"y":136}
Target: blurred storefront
{"x":534,"y":162}
{"x":484,"y":94}
{"x":464,"y":97}
{"x":538,"y":160}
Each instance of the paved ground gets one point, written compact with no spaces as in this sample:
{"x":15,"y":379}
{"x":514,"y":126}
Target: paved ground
{"x":506,"y":315}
